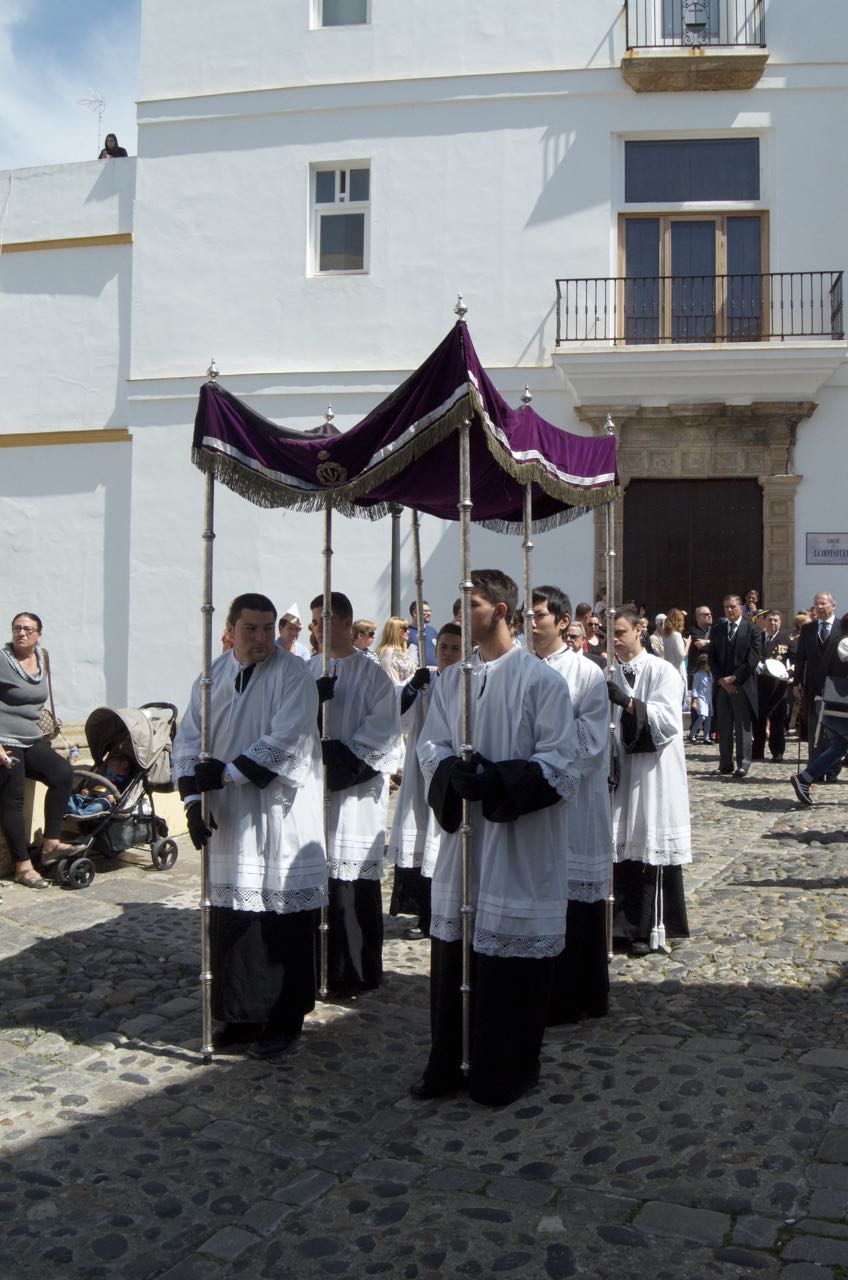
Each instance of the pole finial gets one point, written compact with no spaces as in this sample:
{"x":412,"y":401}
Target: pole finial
{"x":329,"y":415}
{"x":526,"y":396}
{"x":609,"y":426}
{"x":460,"y":309}
{"x":212,"y":371}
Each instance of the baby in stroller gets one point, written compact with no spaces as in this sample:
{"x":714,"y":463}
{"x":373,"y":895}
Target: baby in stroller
{"x":96,"y":798}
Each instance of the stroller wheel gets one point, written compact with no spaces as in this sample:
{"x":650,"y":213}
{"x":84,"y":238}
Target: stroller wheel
{"x":60,"y":871}
{"x":79,"y":874}
{"x":163,"y":854}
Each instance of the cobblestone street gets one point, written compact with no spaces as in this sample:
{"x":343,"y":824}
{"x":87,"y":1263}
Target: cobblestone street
{"x":700,"y":1130}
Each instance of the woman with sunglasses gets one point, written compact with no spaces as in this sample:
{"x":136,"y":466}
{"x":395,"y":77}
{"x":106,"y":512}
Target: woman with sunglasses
{"x":364,"y":631}
{"x":397,"y":656}
{"x":24,"y":752}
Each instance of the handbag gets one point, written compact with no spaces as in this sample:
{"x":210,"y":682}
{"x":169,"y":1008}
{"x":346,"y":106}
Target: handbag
{"x":47,"y":722}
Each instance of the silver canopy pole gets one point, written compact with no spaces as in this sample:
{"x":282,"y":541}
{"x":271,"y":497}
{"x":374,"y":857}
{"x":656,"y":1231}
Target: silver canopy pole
{"x":326,"y":645}
{"x":609,"y":429}
{"x":207,"y":610}
{"x":419,"y":594}
{"x":527,"y":545}
{"x":466,"y":749}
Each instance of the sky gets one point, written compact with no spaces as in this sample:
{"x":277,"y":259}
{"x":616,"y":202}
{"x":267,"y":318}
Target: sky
{"x":53,"y":53}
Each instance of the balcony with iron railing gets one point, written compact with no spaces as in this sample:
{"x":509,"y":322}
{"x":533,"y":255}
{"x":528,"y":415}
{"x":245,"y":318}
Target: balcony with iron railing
{"x":639,"y":310}
{"x":655,"y":339}
{"x":678,"y":45}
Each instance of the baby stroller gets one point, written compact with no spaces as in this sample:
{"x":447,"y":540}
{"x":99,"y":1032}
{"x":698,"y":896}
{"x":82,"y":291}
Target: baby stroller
{"x":144,"y":737}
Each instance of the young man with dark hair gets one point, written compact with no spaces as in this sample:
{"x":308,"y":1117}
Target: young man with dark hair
{"x":735,"y":647}
{"x":267,"y":867}
{"x":360,"y":751}
{"x":581,"y":973}
{"x":651,"y":827}
{"x":517,"y":784}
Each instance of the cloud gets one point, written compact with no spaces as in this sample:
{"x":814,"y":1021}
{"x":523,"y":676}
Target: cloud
{"x":42,"y":80}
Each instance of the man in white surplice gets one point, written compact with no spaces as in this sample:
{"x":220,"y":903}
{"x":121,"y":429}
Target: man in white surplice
{"x":518,"y":783}
{"x":267,"y":865}
{"x":581,"y":973}
{"x":361,"y":749}
{"x":651,"y":829}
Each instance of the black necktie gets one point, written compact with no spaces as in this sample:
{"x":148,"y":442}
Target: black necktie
{"x":824,"y":631}
{"x":630,"y":675}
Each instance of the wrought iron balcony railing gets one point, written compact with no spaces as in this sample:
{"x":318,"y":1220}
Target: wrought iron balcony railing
{"x":634,"y":310}
{"x":658,"y":24}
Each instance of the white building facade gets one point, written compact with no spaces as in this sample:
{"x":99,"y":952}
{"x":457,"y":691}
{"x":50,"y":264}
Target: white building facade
{"x":640,"y":206}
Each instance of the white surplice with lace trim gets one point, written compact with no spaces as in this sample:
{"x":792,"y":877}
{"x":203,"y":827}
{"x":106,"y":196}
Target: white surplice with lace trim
{"x":414,"y":821}
{"x":520,"y":710}
{"x":590,"y":820}
{"x":650,"y":817}
{"x":267,"y":853}
{"x":363,"y":714}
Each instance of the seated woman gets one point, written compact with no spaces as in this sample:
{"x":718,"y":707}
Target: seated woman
{"x":24,"y":752}
{"x":397,"y":656}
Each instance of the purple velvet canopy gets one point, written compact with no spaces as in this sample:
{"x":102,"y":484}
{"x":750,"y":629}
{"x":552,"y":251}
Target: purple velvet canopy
{"x":406,"y":451}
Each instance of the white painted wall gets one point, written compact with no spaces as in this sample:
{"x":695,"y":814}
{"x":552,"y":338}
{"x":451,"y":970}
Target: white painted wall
{"x":218,"y":47}
{"x":65,"y":547}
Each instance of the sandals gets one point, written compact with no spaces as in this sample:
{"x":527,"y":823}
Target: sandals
{"x":32,"y":880}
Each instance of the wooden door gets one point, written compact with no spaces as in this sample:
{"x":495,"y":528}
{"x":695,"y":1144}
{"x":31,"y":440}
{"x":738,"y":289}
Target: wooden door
{"x":690,"y":542}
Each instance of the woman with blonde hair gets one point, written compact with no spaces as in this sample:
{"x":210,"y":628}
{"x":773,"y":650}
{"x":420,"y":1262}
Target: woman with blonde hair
{"x":398,"y":658}
{"x":675,"y":648}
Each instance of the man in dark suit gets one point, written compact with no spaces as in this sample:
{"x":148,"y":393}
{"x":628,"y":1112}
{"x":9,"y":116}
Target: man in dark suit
{"x":734,"y":654}
{"x":816,"y":645}
{"x":772,"y":707}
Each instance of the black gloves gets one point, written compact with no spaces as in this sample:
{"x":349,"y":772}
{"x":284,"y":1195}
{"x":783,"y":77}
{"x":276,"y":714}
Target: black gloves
{"x":469,"y":778}
{"x":508,"y":789}
{"x":344,"y":769}
{"x":421,"y":678}
{"x":198,"y":831}
{"x":325,"y":685}
{"x":618,"y":695}
{"x":209,"y":775}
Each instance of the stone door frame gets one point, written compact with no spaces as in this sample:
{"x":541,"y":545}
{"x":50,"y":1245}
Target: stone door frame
{"x":708,"y":442}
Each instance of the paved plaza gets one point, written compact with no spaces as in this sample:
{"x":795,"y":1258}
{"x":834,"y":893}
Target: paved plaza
{"x":700,"y":1130}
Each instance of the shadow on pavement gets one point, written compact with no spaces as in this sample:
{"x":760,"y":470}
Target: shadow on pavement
{"x":143,"y":1157}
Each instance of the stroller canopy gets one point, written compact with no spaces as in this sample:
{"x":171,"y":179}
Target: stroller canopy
{"x":145,"y":735}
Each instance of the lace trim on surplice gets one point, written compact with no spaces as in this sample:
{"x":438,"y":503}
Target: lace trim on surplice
{"x":280,"y":901}
{"x":353,"y":869}
{"x":564,"y":783}
{"x":587,"y":890}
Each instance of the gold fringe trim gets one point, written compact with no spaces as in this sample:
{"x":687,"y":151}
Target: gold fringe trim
{"x":263,"y":491}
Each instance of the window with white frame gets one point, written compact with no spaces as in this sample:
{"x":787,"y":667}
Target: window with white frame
{"x":340,"y":213}
{"x":341,"y":13}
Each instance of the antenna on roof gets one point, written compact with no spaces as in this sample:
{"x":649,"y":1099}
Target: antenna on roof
{"x":95,"y":103}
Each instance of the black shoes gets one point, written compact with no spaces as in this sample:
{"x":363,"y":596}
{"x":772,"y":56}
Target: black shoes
{"x":425,"y":1088}
{"x":741,"y":773}
{"x":728,"y":772}
{"x":801,"y":789}
{"x":233,"y":1037}
{"x":270,"y":1047}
